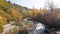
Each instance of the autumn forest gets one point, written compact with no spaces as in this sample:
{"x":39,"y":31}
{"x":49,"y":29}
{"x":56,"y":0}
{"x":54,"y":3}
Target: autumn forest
{"x":14,"y":15}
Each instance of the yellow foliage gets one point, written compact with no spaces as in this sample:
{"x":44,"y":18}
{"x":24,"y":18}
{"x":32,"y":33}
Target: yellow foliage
{"x":16,"y":14}
{"x":33,"y":12}
{"x":13,"y":31}
{"x":3,"y":21}
{"x":25,"y":13}
{"x":41,"y":11}
{"x":1,"y":28}
{"x":2,"y":13}
{"x":0,"y":17}
{"x":3,"y":4}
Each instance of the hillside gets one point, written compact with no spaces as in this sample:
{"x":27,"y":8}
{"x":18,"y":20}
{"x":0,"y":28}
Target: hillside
{"x":10,"y":12}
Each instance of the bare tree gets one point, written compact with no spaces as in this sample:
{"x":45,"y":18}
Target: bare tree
{"x":52,"y":15}
{"x":50,"y":5}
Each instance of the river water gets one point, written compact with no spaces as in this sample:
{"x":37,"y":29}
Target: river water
{"x":39,"y":29}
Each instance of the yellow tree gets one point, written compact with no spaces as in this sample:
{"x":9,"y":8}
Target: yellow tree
{"x":2,"y":16}
{"x":16,"y":14}
{"x":3,"y":4}
{"x":41,"y":11}
{"x":33,"y":12}
{"x":25,"y":13}
{"x":3,"y":21}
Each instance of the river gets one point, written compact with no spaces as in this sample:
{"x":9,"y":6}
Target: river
{"x":39,"y":29}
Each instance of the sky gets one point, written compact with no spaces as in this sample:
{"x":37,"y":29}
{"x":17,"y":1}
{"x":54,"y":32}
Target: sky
{"x":36,"y":3}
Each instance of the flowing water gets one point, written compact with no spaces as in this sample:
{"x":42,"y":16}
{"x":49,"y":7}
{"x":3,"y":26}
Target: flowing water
{"x":39,"y":28}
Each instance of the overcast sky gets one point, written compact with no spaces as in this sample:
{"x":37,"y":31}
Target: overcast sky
{"x":36,"y":3}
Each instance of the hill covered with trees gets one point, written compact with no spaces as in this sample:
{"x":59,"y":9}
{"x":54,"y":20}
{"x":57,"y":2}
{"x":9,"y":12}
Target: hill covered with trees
{"x":10,"y":12}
